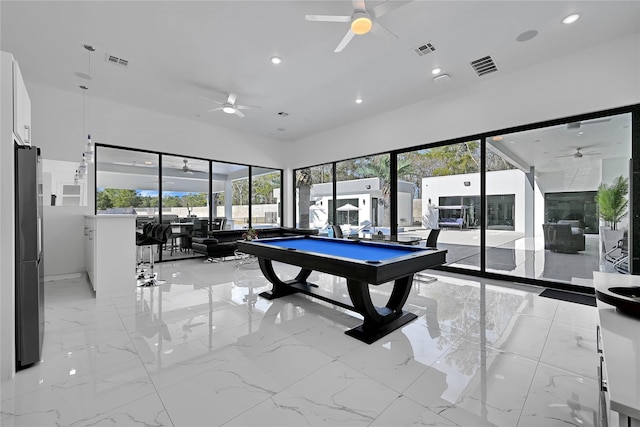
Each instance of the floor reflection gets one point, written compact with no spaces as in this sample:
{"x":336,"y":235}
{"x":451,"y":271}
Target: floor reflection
{"x":205,"y":349}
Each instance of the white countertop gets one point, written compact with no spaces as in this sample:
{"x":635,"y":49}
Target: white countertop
{"x":621,"y":347}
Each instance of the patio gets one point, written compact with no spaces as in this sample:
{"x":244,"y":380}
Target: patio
{"x":514,"y":254}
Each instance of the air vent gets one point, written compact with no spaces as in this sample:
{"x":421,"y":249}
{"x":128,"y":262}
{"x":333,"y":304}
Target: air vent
{"x":424,"y":49}
{"x":484,"y":66}
{"x":117,"y":61}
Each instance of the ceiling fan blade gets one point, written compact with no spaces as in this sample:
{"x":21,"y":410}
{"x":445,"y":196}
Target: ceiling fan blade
{"x":214,"y":109}
{"x":239,"y":113}
{"x":386,"y":7}
{"x":327,"y":18}
{"x":345,"y":40}
{"x":245,"y":107}
{"x":594,"y":121}
{"x":211,"y":100}
{"x":381,"y":30}
{"x":232,"y":98}
{"x":359,"y":5}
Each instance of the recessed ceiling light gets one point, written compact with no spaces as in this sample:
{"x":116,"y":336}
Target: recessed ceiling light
{"x":148,"y":162}
{"x":436,"y":70}
{"x":497,"y":138}
{"x":527,"y":35}
{"x":441,"y":79}
{"x":276,"y":60}
{"x":359,"y":101}
{"x":571,"y":19}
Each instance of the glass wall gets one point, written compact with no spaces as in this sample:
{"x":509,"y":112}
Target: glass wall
{"x":440,"y":186}
{"x":127,"y":182}
{"x":528,"y":202}
{"x":265,"y":197}
{"x":313,"y":191}
{"x":543,"y":215}
{"x":185,"y":202}
{"x":363,"y":195}
{"x":230,"y":195}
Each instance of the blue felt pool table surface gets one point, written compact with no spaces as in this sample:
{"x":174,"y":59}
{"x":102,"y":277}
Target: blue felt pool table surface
{"x":345,"y":249}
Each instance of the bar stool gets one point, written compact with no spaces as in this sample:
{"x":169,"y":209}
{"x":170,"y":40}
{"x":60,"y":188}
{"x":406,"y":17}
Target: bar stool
{"x":148,"y":239}
{"x":161,"y":233}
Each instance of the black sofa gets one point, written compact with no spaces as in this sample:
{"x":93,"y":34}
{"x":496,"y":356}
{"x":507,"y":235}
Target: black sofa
{"x":222,"y":243}
{"x":564,"y":236}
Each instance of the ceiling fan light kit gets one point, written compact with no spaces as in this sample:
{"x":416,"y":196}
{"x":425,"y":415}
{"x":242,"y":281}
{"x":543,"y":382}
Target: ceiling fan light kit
{"x":362,"y":20}
{"x":361,"y":23}
{"x":229,"y":106}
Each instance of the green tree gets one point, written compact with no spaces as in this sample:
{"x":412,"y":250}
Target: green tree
{"x":612,"y":201}
{"x":380,"y":167}
{"x":117,"y":198}
{"x":263,"y":186}
{"x":103,"y":201}
{"x":171,"y":202}
{"x":240,"y":188}
{"x":194,"y":199}
{"x":304,"y":181}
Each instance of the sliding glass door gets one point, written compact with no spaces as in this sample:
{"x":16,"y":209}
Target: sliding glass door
{"x":543,"y":216}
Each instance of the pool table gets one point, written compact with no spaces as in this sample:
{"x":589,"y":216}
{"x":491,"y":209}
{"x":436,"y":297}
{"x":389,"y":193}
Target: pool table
{"x":360,"y":263}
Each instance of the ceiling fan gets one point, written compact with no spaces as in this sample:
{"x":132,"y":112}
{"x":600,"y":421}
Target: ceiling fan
{"x":229,"y":106}
{"x":133,"y":163}
{"x":577,"y":125}
{"x":578,"y":154}
{"x":362,"y":20}
{"x":186,"y":168}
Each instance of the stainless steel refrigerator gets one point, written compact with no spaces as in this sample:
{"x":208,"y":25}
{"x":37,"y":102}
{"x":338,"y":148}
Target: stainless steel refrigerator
{"x":29,"y":261}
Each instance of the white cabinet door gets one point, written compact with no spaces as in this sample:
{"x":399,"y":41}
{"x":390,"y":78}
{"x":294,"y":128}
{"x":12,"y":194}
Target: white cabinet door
{"x":21,"y":108}
{"x":90,"y":250}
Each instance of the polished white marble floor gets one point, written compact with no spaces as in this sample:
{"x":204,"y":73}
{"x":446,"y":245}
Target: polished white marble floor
{"x":204,"y":349}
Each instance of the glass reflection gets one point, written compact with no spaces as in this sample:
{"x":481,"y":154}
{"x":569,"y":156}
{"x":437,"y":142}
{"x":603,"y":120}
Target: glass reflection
{"x":544,"y":219}
{"x":185,"y":203}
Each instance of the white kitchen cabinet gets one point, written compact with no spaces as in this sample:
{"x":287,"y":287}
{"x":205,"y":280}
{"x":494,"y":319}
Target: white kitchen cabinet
{"x":21,"y":108}
{"x":110,"y":253}
{"x":619,"y":351}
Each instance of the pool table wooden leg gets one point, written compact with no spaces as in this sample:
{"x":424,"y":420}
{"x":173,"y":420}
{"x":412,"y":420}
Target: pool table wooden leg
{"x":280,"y":288}
{"x":379,"y":321}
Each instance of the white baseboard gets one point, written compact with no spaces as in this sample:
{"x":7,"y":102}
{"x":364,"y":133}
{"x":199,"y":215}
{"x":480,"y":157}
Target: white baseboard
{"x":62,"y":277}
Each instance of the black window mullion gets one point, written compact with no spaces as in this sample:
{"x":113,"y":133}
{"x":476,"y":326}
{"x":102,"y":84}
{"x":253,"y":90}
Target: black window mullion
{"x":393,"y":197}
{"x":483,"y":204}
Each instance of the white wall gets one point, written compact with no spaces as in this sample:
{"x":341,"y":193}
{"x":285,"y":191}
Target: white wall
{"x":605,"y":76}
{"x":499,"y":182}
{"x":58,"y":130}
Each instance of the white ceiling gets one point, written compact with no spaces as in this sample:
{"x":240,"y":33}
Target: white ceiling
{"x":180,"y":50}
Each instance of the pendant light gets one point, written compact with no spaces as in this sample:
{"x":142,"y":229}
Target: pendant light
{"x":89,"y":151}
{"x":82,"y":169}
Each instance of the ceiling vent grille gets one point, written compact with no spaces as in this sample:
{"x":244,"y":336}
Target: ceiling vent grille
{"x":484,"y":66}
{"x":117,"y":61}
{"x":424,"y":49}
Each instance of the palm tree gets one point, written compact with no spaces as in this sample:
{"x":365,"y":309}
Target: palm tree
{"x":612,"y":201}
{"x":380,"y":168}
{"x":303,"y":183}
